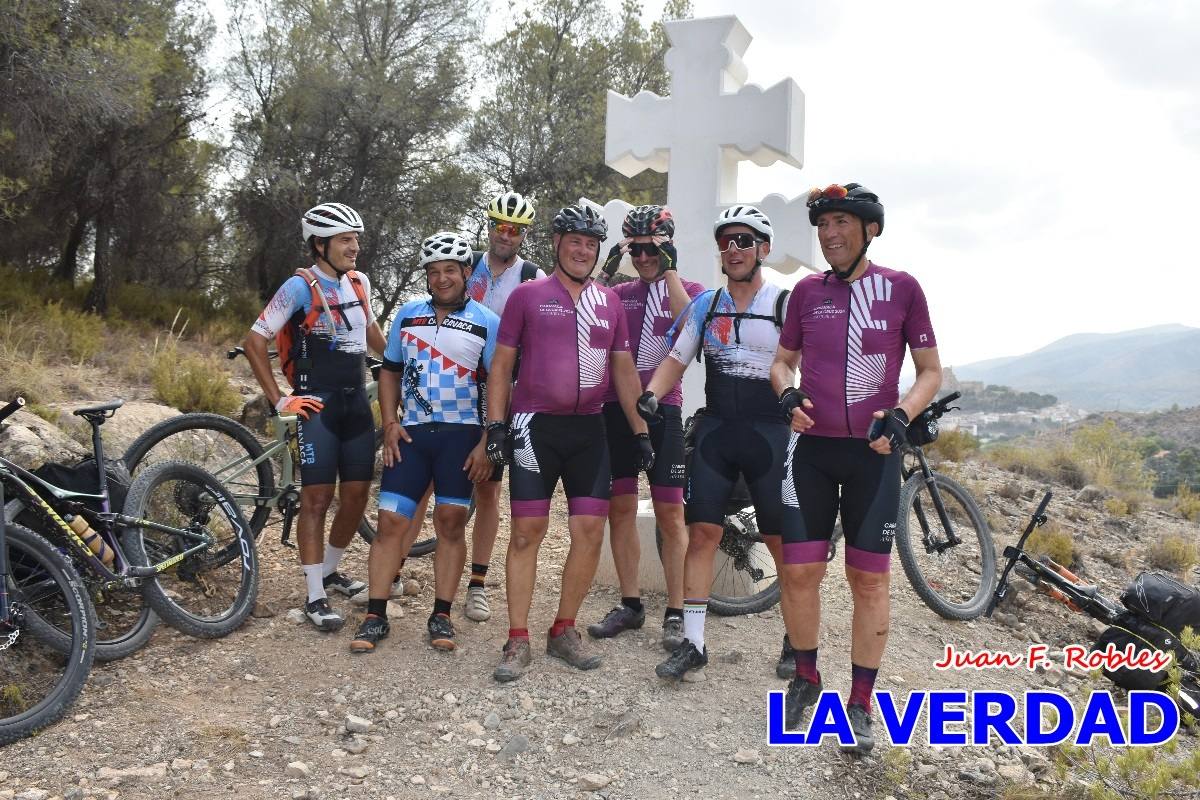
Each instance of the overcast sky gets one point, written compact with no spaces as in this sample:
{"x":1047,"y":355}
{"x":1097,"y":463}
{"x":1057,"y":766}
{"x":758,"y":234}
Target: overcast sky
{"x":1039,"y":161}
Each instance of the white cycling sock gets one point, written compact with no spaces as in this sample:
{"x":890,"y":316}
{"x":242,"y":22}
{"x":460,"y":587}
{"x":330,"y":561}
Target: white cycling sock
{"x":694,"y":612}
{"x":333,"y":557}
{"x":313,"y":577}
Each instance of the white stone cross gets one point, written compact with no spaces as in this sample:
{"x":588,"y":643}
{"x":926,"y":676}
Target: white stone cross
{"x":711,"y":121}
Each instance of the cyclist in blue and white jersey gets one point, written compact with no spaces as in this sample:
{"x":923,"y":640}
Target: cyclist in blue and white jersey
{"x":335,"y":427}
{"x":741,"y":431}
{"x":438,"y":352}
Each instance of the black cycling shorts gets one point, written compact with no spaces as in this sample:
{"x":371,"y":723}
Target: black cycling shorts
{"x":723,"y":449}
{"x":825,"y":475}
{"x":338,"y":442}
{"x":667,"y":474}
{"x":547,"y":447}
{"x":438,"y":451}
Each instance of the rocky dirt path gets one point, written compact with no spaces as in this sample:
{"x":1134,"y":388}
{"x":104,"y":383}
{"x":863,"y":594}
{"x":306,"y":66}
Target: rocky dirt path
{"x":278,"y":710}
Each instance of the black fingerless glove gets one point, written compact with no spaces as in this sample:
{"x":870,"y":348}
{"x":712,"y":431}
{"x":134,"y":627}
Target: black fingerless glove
{"x":612,"y":263}
{"x":647,"y":408}
{"x":668,"y":256}
{"x":790,"y":400}
{"x":645,"y":451}
{"x":499,"y":443}
{"x":894,"y":426}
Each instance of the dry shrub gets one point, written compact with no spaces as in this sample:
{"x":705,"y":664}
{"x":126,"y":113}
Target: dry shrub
{"x":1051,"y":540}
{"x":1187,"y":503}
{"x":1174,"y":553}
{"x":192,"y":383}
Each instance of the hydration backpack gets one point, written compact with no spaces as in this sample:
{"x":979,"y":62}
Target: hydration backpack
{"x":292,"y":340}
{"x":780,"y":304}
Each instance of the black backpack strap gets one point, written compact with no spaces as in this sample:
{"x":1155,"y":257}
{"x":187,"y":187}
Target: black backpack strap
{"x":708,"y":317}
{"x":529,"y":271}
{"x":780,"y":304}
{"x":476,"y":257}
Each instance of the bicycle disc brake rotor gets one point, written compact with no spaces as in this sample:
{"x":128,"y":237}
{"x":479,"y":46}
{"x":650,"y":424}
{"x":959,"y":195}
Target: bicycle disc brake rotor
{"x":192,"y":499}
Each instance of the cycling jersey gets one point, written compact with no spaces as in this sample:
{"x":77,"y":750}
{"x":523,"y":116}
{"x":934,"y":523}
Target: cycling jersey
{"x":338,"y":353}
{"x":851,"y":338}
{"x":826,"y":474}
{"x":565,"y":347}
{"x":494,"y":292}
{"x":440,"y":363}
{"x":649,"y":319}
{"x":738,"y":350}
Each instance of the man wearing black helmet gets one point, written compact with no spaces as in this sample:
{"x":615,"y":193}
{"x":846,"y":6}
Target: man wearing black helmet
{"x":573,"y":338}
{"x":740,"y":434}
{"x":847,"y":331}
{"x":651,"y":306}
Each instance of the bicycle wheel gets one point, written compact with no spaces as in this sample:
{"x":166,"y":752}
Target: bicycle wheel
{"x":747,"y":578}
{"x":218,"y":444}
{"x":39,"y":676}
{"x":955,"y":581}
{"x":124,"y":620}
{"x":206,"y":594}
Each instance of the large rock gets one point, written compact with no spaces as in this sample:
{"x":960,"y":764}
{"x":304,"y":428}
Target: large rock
{"x":29,"y":441}
{"x":119,"y":431}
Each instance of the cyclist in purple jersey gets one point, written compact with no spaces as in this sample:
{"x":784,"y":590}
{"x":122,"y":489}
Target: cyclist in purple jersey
{"x":847,"y":331}
{"x":572,"y":334}
{"x":651,"y":305}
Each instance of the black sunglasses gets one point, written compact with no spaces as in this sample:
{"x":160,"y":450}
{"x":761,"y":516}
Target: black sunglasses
{"x":643,"y":249}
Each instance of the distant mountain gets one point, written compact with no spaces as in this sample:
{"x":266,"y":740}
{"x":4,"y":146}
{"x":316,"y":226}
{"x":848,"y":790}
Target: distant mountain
{"x":1140,"y":370}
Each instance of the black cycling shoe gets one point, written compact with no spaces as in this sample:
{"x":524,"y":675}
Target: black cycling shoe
{"x":684,"y":659}
{"x":786,"y":668}
{"x":860,"y":723}
{"x":620,"y":619}
{"x":372,"y":631}
{"x":343,"y":583}
{"x":801,"y":694}
{"x":441,"y":632}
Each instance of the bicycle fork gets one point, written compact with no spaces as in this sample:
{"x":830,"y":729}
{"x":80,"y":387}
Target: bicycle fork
{"x":952,"y":539}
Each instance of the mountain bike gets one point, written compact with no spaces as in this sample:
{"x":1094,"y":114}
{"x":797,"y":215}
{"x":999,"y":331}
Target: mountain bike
{"x":180,"y":542}
{"x":47,"y":627}
{"x":246,"y":465}
{"x":1057,"y":582}
{"x":952,"y":564}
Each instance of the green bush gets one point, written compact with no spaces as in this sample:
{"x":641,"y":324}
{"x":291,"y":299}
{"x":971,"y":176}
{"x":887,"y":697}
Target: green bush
{"x":1112,"y":457}
{"x":1174,"y":553}
{"x":1053,"y":541}
{"x":953,"y":445}
{"x":192,"y":383}
{"x":1187,"y":504}
{"x":72,"y":333}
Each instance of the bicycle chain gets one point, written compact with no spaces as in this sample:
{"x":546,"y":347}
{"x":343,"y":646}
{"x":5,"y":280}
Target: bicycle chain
{"x":12,"y":637}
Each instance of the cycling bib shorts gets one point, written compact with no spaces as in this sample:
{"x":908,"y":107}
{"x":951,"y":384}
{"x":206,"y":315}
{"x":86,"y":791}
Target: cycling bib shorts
{"x":438,"y":451}
{"x":755,"y":448}
{"x":339,"y":441}
{"x":547,"y":447}
{"x":667,"y":474}
{"x":824,"y":475}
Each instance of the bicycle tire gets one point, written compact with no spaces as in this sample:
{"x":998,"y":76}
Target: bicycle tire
{"x":949,"y":593}
{"x":230,"y":439}
{"x":136,"y":625}
{"x":194,"y":499}
{"x":56,"y":581}
{"x":735,"y":541}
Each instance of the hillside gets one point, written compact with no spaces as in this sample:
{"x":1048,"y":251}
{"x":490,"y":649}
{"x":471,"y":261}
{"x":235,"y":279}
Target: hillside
{"x":1140,"y":370}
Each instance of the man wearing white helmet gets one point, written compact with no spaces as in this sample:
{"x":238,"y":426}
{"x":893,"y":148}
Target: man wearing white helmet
{"x":323,"y":317}
{"x":738,"y":439}
{"x":437,"y":352}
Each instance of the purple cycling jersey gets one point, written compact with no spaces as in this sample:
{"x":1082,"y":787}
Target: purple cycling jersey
{"x":565,"y":347}
{"x":648,"y":317}
{"x":851,"y":338}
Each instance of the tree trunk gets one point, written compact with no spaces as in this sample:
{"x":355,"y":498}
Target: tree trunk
{"x":68,"y":262}
{"x":97,"y":299}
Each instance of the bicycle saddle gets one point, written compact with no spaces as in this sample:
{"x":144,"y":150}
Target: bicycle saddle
{"x":111,"y":405}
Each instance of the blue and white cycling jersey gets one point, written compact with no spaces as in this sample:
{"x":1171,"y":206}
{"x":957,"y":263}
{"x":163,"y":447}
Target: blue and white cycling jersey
{"x":440,"y":365}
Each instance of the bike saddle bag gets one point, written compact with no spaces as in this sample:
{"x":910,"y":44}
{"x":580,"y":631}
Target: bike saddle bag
{"x":1131,"y":629}
{"x":1163,"y":600}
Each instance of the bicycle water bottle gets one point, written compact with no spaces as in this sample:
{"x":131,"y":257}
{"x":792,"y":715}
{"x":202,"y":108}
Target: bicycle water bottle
{"x":93,"y":540}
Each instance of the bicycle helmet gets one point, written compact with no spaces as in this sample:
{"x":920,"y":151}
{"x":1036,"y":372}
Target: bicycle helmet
{"x":649,"y":221}
{"x":511,"y":207}
{"x":749,"y":216}
{"x":580,"y":219}
{"x":330,"y":219}
{"x":445,"y":246}
{"x":852,"y":198}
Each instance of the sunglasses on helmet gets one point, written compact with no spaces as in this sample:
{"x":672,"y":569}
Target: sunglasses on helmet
{"x":506,"y":228}
{"x":643,"y":249}
{"x":741,"y":241}
{"x":831,"y":192}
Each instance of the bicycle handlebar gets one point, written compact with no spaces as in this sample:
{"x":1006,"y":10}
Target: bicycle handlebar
{"x":11,"y":408}
{"x":939,"y":407}
{"x":241,"y":351}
